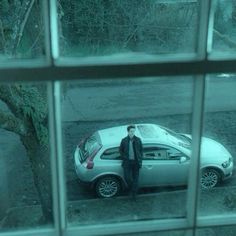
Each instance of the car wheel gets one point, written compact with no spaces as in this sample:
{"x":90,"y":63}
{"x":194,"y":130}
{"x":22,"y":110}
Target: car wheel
{"x":107,"y":187}
{"x":209,"y":178}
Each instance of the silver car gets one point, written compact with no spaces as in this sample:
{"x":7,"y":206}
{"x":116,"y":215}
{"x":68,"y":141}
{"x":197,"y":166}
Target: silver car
{"x":166,"y":159}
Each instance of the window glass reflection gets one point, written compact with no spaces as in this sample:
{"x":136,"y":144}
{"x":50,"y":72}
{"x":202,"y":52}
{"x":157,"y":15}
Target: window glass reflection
{"x":224,"y":33}
{"x":162,"y":233}
{"x":26,"y":195}
{"x":21,"y":29}
{"x":95,"y":116}
{"x":98,"y":28}
{"x":217,"y":231}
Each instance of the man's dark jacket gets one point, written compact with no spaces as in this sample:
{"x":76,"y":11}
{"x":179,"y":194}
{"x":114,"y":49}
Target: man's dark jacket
{"x":137,"y":147}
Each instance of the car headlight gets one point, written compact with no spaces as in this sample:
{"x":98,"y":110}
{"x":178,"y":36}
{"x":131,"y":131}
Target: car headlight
{"x":227,"y":163}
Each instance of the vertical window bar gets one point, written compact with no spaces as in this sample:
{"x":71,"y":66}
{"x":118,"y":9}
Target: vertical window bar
{"x":54,"y":28}
{"x":56,"y":158}
{"x":51,"y":30}
{"x":203,"y":27}
{"x":194,"y":171}
{"x":60,"y":159}
{"x":211,"y":26}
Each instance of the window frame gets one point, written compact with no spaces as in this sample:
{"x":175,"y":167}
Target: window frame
{"x":55,"y":69}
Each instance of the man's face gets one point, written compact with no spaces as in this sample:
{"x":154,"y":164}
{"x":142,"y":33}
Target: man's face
{"x":131,"y":132}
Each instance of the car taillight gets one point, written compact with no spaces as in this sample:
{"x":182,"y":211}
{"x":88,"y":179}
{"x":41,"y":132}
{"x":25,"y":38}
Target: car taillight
{"x":90,"y":163}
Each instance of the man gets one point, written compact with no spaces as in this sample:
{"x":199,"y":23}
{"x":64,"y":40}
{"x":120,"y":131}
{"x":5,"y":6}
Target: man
{"x":131,"y":151}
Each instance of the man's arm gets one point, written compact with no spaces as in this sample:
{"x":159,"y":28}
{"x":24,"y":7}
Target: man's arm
{"x":121,"y":149}
{"x":141,"y":153}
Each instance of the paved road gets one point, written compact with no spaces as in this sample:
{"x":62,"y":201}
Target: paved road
{"x":133,"y":99}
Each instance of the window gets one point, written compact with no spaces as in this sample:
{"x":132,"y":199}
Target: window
{"x":161,"y":153}
{"x":167,"y":62}
{"x":111,"y":154}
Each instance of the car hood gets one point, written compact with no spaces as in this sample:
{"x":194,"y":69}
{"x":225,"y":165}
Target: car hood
{"x":212,"y":150}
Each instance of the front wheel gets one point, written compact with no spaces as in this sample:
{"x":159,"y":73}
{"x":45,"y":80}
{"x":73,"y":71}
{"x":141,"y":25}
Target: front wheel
{"x":210,"y":178}
{"x":107,"y":187}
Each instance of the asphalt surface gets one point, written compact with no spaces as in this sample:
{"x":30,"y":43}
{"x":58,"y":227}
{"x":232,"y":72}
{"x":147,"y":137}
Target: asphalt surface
{"x":143,"y":98}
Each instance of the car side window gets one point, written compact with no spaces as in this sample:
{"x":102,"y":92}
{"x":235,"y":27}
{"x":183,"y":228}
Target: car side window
{"x":111,"y":154}
{"x":161,"y":153}
{"x":154,"y":153}
{"x":174,"y":154}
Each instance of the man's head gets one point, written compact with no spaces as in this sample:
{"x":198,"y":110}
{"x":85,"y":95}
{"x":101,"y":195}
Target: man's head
{"x":131,"y":130}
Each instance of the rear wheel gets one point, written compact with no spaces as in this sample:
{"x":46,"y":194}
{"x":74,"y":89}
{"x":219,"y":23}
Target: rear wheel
{"x":210,"y":178}
{"x":107,"y":187}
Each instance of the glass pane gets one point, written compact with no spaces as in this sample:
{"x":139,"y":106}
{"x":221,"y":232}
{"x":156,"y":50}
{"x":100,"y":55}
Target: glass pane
{"x":162,"y":233}
{"x":25,"y":189}
{"x":218,"y":148}
{"x":21,"y":29}
{"x":95,"y":116}
{"x":217,"y":231}
{"x":224,"y":37}
{"x":126,"y":28}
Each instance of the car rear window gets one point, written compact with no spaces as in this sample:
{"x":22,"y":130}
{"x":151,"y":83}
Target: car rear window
{"x":89,"y":146}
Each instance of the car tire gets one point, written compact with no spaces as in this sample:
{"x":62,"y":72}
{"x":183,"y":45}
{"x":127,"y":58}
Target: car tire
{"x":107,"y":187}
{"x":210,"y":178}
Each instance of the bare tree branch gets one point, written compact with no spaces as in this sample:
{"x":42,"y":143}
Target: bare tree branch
{"x":226,"y":39}
{"x":36,"y":41}
{"x":11,"y":123}
{"x":22,"y":27}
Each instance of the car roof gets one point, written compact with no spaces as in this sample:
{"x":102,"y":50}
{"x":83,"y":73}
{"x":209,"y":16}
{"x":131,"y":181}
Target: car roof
{"x":148,"y":133}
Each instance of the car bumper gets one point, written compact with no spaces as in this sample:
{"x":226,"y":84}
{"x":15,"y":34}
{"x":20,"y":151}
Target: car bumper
{"x":228,"y":174}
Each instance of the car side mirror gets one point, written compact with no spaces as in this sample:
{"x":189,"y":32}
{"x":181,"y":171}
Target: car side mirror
{"x":182,"y":159}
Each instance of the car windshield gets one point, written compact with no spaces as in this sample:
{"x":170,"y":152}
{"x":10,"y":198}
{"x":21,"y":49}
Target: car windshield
{"x":89,"y":146}
{"x":183,"y":140}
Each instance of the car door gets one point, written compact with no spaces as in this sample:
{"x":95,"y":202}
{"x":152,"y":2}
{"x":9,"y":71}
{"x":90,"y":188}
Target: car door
{"x":110,"y":162}
{"x":163,"y":165}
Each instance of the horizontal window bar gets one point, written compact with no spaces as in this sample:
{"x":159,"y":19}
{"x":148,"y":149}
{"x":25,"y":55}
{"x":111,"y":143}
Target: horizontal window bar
{"x":116,"y":59}
{"x":222,"y":56}
{"x":35,"y":232}
{"x":24,"y":63}
{"x":128,"y":227}
{"x":216,"y":220}
{"x":117,"y":71}
{"x":126,"y":58}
